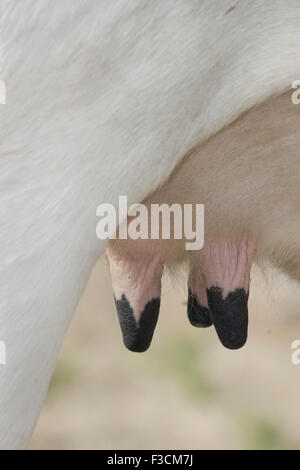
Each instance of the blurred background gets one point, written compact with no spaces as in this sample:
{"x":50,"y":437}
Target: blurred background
{"x":187,"y":391}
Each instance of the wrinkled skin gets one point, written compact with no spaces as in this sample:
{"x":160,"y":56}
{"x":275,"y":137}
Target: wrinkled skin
{"x":218,"y":288}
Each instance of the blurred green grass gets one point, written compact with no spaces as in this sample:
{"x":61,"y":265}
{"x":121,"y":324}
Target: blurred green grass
{"x":261,"y":432}
{"x":184,"y":361}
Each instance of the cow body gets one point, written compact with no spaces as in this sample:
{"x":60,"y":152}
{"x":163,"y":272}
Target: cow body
{"x":107,"y":99}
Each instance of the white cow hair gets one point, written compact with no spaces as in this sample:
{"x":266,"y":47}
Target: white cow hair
{"x":105,"y":98}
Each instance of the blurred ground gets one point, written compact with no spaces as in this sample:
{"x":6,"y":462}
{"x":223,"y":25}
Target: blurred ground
{"x":186,"y":391}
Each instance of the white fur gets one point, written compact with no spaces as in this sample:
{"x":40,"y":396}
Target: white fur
{"x":104,"y":98}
